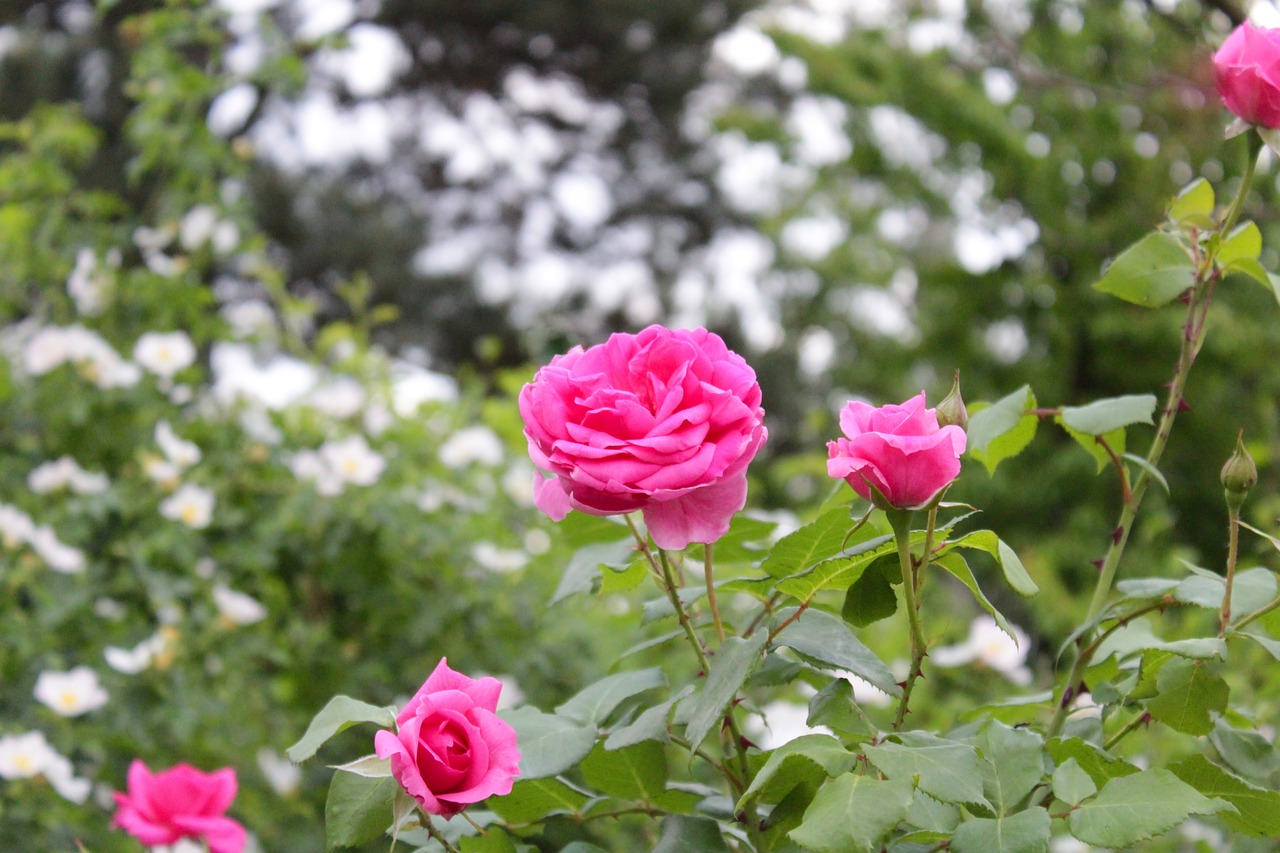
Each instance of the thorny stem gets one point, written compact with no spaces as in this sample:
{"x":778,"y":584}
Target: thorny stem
{"x":1137,"y":722}
{"x":707,"y":566}
{"x":669,"y":586}
{"x":1233,"y":548}
{"x":901,"y":521}
{"x":435,"y":833}
{"x":642,"y":543}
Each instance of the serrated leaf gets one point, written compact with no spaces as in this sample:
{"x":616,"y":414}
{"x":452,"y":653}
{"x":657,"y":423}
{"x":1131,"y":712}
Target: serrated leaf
{"x":1072,"y":784}
{"x":1251,"y":589}
{"x":1153,"y":271}
{"x":1133,"y":808}
{"x":834,"y":707}
{"x":1257,"y":809}
{"x":808,"y":758}
{"x":636,"y":772}
{"x":1244,"y":243}
{"x":1024,"y":832}
{"x":959,"y":569}
{"x":1093,"y":444}
{"x":594,"y":703}
{"x":930,"y":815}
{"x":947,"y":770}
{"x":839,"y":571}
{"x":852,"y":813}
{"x":549,"y":744}
{"x":869,"y":599}
{"x":341,"y":713}
{"x":1014,"y":572}
{"x":651,"y":724}
{"x":684,"y":834}
{"x":536,"y":799}
{"x":823,"y":638}
{"x":817,"y":540}
{"x":1003,"y":429}
{"x":1188,"y":692}
{"x":1195,"y":199}
{"x":582,"y":574}
{"x":1104,"y":416}
{"x":1012,"y":763}
{"x":371,"y":767}
{"x":734,"y":661}
{"x":1101,"y":766}
{"x":358,"y":809}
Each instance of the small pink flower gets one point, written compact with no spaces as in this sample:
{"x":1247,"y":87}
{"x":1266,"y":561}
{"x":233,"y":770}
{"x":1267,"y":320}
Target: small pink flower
{"x":178,"y":803}
{"x":664,"y":422}
{"x":450,"y":750}
{"x":900,"y":450}
{"x":1247,"y":71}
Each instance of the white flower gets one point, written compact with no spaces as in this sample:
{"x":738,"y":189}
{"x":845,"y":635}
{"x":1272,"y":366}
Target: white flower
{"x":470,"y":445}
{"x":257,"y":425}
{"x":352,"y":460}
{"x":991,"y":647}
{"x":190,"y":504}
{"x":341,"y":398}
{"x":866,"y":693}
{"x":16,"y":527}
{"x":86,"y":286}
{"x":64,"y":473}
{"x":309,"y":466}
{"x":24,"y":756}
{"x":135,"y":660}
{"x":226,"y":236}
{"x":496,"y":559}
{"x":165,"y":353}
{"x":180,"y":452}
{"x":537,"y":541}
{"x":517,"y":482}
{"x":237,"y":607}
{"x":161,"y":471}
{"x":281,"y":774}
{"x":72,"y":693}
{"x":62,"y":778}
{"x":781,"y":722}
{"x":60,"y":556}
{"x":197,"y":226}
{"x":250,"y":318}
{"x":53,"y":346}
{"x":153,"y":239}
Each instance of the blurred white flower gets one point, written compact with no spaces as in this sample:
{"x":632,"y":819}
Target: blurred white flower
{"x":991,"y":647}
{"x":24,"y":756}
{"x":1068,"y":844}
{"x":53,"y":346}
{"x":135,"y":660}
{"x":16,"y":527}
{"x":377,"y":417}
{"x":164,"y":353}
{"x":63,"y":473}
{"x":62,"y":778}
{"x":866,"y":693}
{"x":190,"y":504}
{"x":249,"y":318}
{"x":257,"y":424}
{"x":517,"y":482}
{"x":309,"y":466}
{"x":435,"y":495}
{"x":225,"y":237}
{"x":1084,"y":706}
{"x":352,"y":460}
{"x":470,"y":445}
{"x":281,"y":774}
{"x":87,"y":285}
{"x":340,"y":398}
{"x":197,"y":226}
{"x":495,"y":559}
{"x":781,"y":722}
{"x":71,"y":693}
{"x":60,"y":556}
{"x":237,"y":608}
{"x":180,"y":452}
{"x":537,"y":541}
{"x":153,"y":239}
{"x":161,"y":471}
{"x":511,"y":694}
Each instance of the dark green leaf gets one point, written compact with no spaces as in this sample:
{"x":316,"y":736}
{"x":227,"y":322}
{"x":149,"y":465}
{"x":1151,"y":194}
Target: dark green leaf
{"x":549,"y":744}
{"x":636,"y":772}
{"x":683,"y":834}
{"x":1258,"y":809}
{"x":1133,"y":808}
{"x":839,"y":571}
{"x":339,"y":714}
{"x":1188,"y":692}
{"x":358,"y":809}
{"x":808,"y":758}
{"x":1024,"y":832}
{"x":734,"y":661}
{"x":594,"y":703}
{"x":824,"y":638}
{"x":852,"y":814}
{"x":1101,"y":766}
{"x":870,"y":599}
{"x":834,"y":707}
{"x":1153,"y":271}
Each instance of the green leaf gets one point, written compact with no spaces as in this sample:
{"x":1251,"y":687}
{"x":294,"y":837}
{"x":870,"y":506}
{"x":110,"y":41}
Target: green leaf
{"x":947,"y":770}
{"x":1012,"y":763}
{"x":808,"y":758}
{"x":1003,"y":429}
{"x":1151,"y":470}
{"x":636,"y":772}
{"x":683,"y":834}
{"x":1244,"y":243}
{"x":817,"y":540}
{"x":1014,"y":572}
{"x":1071,"y":784}
{"x":1251,"y":589}
{"x":651,"y":724}
{"x":494,"y":840}
{"x":837,"y":571}
{"x":1271,"y":646}
{"x":734,"y":661}
{"x":956,"y":565}
{"x":358,"y":809}
{"x":1093,"y":444}
{"x":1188,"y":692}
{"x":549,"y":744}
{"x":929,"y":815}
{"x":1250,"y":268}
{"x":1195,"y":200}
{"x":823,"y":638}
{"x":1246,"y":752}
{"x":1024,"y":832}
{"x":1258,"y":809}
{"x":1101,"y":766}
{"x":594,"y":703}
{"x":1133,"y":808}
{"x":583,"y":572}
{"x":1104,"y":416}
{"x":1153,"y":271}
{"x":371,"y":766}
{"x":341,"y":713}
{"x":834,"y":707}
{"x":852,"y":814}
{"x":535,"y":799}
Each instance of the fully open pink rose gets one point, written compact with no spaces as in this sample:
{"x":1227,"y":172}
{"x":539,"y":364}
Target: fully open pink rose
{"x":1247,"y":70}
{"x":664,"y":422}
{"x":900,"y":450}
{"x":450,"y":749}
{"x":181,"y":802}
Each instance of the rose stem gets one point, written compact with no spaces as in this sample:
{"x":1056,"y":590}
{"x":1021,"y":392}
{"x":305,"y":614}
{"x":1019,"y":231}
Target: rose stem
{"x":1233,"y":548}
{"x":434,"y":833}
{"x":901,"y":523}
{"x":708,"y":567}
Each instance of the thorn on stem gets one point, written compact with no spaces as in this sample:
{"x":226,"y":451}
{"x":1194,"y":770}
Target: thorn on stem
{"x":1067,"y":696}
{"x":1183,"y":405}
{"x":1116,"y":534}
{"x":1097,"y":564}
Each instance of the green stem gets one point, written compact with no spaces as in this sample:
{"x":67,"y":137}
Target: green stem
{"x":1258,"y":614}
{"x":901,"y":523}
{"x":708,"y":567}
{"x":1233,"y":548}
{"x":434,"y":833}
{"x":1254,"y":145}
{"x":669,"y":586}
{"x":1137,"y":722}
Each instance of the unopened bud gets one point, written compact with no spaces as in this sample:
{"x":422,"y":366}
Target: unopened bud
{"x":951,"y":410}
{"x":1239,"y":475}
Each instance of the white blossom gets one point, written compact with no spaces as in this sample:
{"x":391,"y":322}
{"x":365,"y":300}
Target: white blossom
{"x":180,"y":452}
{"x":281,"y":774}
{"x":991,"y":647}
{"x":54,"y":346}
{"x":309,"y":466}
{"x":87,"y":285}
{"x":353,"y":461}
{"x":190,"y":504}
{"x":63,"y":473}
{"x":197,"y":226}
{"x":340,"y":398}
{"x":781,"y":722}
{"x":161,"y":471}
{"x":164,"y":353}
{"x":61,"y":776}
{"x":237,"y":607}
{"x":16,"y":527}
{"x":24,"y":756}
{"x":495,"y":559}
{"x":470,"y":445}
{"x":135,"y":660}
{"x":60,"y":556}
{"x":71,"y":693}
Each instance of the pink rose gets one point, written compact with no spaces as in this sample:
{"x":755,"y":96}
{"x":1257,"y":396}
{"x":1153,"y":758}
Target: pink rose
{"x":181,"y":802}
{"x":900,"y":450}
{"x":664,"y":422}
{"x":1247,"y":70}
{"x":450,"y":749}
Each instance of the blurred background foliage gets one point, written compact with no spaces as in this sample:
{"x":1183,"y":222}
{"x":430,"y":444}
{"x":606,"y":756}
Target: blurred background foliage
{"x":860,"y":197}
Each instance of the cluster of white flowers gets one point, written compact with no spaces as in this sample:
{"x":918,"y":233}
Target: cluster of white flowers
{"x":340,"y":398}
{"x":190,"y":504}
{"x":29,"y":754}
{"x":65,"y":473}
{"x":164,"y":353}
{"x":499,"y":560}
{"x":988,"y":645}
{"x":337,"y":464}
{"x":89,"y":284}
{"x":135,"y":660}
{"x":18,"y":529}
{"x":470,"y":446}
{"x":199,"y":227}
{"x":53,"y":346}
{"x":72,"y":693}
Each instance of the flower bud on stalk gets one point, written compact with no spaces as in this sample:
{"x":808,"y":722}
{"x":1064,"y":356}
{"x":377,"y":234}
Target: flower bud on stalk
{"x":951,"y":410}
{"x":1239,"y":475}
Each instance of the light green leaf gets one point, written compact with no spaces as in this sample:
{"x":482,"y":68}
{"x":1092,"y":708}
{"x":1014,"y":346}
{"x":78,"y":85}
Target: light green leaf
{"x":358,"y":809}
{"x":371,"y":767}
{"x":493,"y":841}
{"x":683,"y":834}
{"x":536,"y":799}
{"x":947,"y":770}
{"x":594,"y":703}
{"x":815,"y":541}
{"x":1003,"y":429}
{"x":1257,"y":809}
{"x":636,"y":772}
{"x":734,"y":661}
{"x":1151,"y":470}
{"x":1188,"y":692}
{"x":1103,"y":416}
{"x":1153,"y":271}
{"x":1024,"y":832}
{"x":1244,"y":243}
{"x":1014,"y":572}
{"x":1194,"y":200}
{"x":651,"y":724}
{"x":1133,"y":808}
{"x":834,"y":707}
{"x":549,"y":744}
{"x":1271,"y":646}
{"x":1101,"y":766}
{"x":1012,"y":763}
{"x":1250,"y":268}
{"x":1252,"y":589}
{"x":341,"y":713}
{"x":838,"y":571}
{"x":1093,"y":444}
{"x":583,"y":572}
{"x":1248,"y":753}
{"x":1071,"y":784}
{"x":806,"y":758}
{"x":956,"y":565}
{"x":852,"y":814}
{"x":827,"y":640}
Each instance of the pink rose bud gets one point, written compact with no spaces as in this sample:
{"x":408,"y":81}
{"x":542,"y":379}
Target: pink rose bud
{"x":899,"y":450}
{"x":179,"y":803}
{"x":1247,"y":71}
{"x":664,"y":422}
{"x":449,"y":749}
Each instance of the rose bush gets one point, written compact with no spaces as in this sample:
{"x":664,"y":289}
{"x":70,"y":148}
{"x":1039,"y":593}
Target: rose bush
{"x":1247,"y":71}
{"x":449,"y":749}
{"x":900,"y":450}
{"x":664,"y":421}
{"x":179,"y":803}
